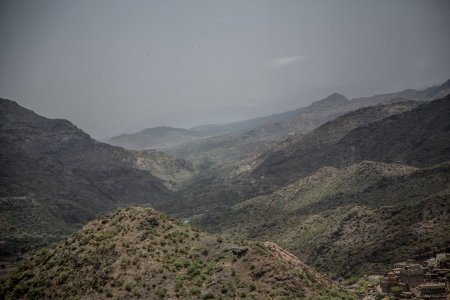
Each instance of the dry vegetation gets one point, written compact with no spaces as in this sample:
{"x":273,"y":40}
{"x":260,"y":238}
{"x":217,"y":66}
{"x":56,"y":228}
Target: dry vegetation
{"x":139,"y":253}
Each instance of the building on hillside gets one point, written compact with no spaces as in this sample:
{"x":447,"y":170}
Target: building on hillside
{"x":443,"y":260}
{"x":432,"y":262}
{"x":391,"y":282}
{"x":412,"y":275}
{"x":433,"y":291}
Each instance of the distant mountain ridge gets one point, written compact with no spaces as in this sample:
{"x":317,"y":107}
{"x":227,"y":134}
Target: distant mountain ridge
{"x":242,"y":144}
{"x":433,"y":92}
{"x":257,"y":131}
{"x":155,"y":138}
{"x":418,"y":137}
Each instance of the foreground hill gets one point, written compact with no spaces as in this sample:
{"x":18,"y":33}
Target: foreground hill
{"x":155,"y":138}
{"x":54,"y":174}
{"x":419,"y":137}
{"x":356,"y":219}
{"x":139,"y":253}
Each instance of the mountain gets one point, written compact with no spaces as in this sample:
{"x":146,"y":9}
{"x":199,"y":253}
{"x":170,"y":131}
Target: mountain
{"x":434,"y":92}
{"x":53,"y":173}
{"x":335,"y":102}
{"x":361,"y":218}
{"x":216,"y":129}
{"x":228,"y":143}
{"x":139,"y":253}
{"x":232,"y":147}
{"x":223,"y":186}
{"x":243,"y":140}
{"x":155,"y":138}
{"x":419,"y":137}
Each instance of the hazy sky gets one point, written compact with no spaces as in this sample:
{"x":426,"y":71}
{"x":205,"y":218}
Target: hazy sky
{"x":118,"y":66}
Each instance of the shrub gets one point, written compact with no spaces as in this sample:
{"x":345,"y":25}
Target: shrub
{"x":208,"y":295}
{"x":128,"y":287}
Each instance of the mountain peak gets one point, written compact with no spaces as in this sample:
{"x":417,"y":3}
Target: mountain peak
{"x":333,"y":99}
{"x":445,"y":84}
{"x":336,"y":96}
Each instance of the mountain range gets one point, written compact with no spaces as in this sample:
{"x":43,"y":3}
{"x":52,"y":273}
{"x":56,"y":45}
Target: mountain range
{"x":155,"y":138}
{"x":347,"y":186}
{"x":213,"y":140}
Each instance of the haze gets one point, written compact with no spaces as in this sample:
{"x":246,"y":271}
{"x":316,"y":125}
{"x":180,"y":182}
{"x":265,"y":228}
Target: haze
{"x":119,"y":66}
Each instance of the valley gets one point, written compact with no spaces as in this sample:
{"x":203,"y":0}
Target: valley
{"x":347,"y":187}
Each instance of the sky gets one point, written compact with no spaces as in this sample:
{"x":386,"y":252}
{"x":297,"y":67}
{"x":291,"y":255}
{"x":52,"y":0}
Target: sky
{"x":120,"y":66}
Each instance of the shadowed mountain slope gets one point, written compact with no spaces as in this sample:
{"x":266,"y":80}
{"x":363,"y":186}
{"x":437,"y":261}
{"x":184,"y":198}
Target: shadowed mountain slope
{"x":50,"y":165}
{"x":420,"y":137}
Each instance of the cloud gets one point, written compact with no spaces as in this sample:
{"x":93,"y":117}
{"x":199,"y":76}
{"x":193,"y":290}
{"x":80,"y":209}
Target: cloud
{"x":286,"y":61}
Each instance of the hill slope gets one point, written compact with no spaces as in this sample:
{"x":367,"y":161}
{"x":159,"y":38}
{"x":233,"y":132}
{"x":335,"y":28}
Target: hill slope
{"x":231,"y":147}
{"x":419,"y":137}
{"x":139,"y":253}
{"x":227,"y":185}
{"x":51,"y":166}
{"x":155,"y":138}
{"x":344,"y":221}
{"x":174,"y":172}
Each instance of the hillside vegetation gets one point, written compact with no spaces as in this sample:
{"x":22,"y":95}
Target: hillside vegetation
{"x":54,"y":178}
{"x":357,"y":219}
{"x":140,"y":253}
{"x":222,"y":186}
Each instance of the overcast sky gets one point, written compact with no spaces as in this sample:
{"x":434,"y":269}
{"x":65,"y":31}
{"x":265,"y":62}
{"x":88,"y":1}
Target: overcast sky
{"x":118,"y":66}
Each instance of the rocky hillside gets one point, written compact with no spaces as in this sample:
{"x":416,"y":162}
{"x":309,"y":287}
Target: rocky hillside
{"x":155,"y":138}
{"x":174,"y":172}
{"x":418,"y":137}
{"x":356,"y":219}
{"x":232,"y":147}
{"x":51,"y":166}
{"x":222,"y":187}
{"x":138,"y":253}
